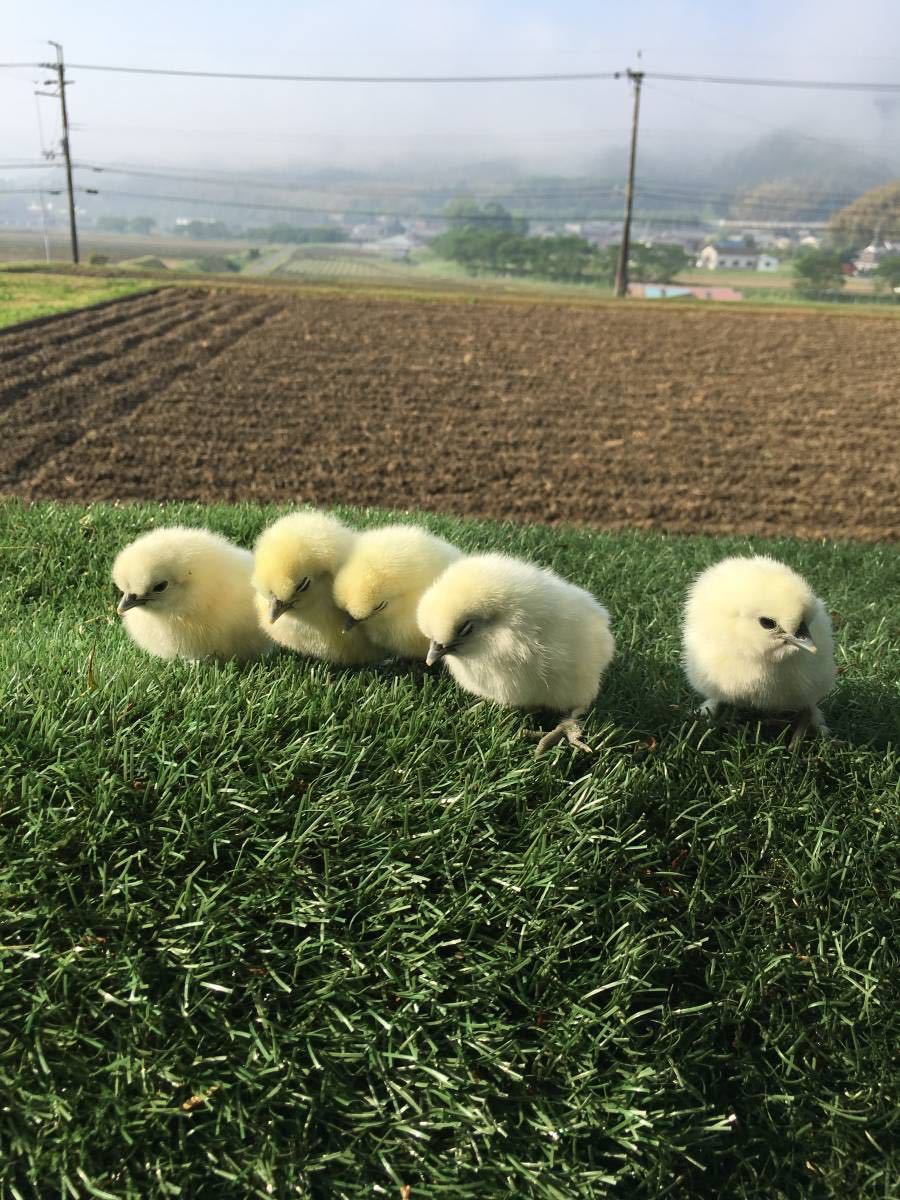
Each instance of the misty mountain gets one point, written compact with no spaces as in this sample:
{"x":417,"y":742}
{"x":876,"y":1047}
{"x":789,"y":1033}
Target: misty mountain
{"x":785,"y":175}
{"x":787,"y":155}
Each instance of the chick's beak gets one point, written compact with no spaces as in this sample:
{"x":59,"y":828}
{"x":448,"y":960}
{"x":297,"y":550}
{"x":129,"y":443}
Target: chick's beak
{"x":349,"y":622}
{"x":802,"y":640}
{"x":435,"y":651}
{"x":129,"y":600}
{"x":276,"y":609}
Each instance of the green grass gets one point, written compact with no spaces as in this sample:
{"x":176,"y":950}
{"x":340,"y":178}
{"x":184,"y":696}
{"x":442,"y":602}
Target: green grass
{"x":34,"y":295}
{"x":290,"y":930}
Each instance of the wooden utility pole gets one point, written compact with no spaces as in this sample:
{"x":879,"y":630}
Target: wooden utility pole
{"x":637,"y":78}
{"x":63,"y":84}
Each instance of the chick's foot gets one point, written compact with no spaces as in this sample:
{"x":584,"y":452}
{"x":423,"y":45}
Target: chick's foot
{"x":568,"y":728}
{"x":808,"y":719}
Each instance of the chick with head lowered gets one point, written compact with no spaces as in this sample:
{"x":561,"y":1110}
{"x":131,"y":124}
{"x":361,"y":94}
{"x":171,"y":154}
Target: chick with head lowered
{"x":295,"y":561}
{"x":520,"y":635}
{"x":186,"y":593}
{"x":755,"y":636}
{"x":382,"y":582}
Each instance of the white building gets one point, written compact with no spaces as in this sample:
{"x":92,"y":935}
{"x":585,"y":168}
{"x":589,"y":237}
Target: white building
{"x":870,"y":259}
{"x":725,"y":256}
{"x":733,"y":256}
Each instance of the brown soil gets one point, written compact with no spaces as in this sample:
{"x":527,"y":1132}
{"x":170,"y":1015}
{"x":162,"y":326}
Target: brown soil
{"x":686,"y":420}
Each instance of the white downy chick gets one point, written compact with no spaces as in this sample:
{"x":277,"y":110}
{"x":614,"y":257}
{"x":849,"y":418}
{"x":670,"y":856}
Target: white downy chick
{"x":755,"y":636}
{"x":383,"y":580}
{"x":295,"y":561}
{"x":520,"y":635}
{"x":186,"y":593}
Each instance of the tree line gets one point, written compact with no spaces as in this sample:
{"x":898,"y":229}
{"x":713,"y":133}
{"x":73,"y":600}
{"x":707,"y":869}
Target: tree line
{"x":490,"y":239}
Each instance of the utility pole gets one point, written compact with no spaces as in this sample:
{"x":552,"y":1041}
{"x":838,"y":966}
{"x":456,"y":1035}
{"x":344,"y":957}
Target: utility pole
{"x":60,"y":67}
{"x":637,"y":78}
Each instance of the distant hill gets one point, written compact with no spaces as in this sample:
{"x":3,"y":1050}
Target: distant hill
{"x":786,"y":156}
{"x":876,"y":214}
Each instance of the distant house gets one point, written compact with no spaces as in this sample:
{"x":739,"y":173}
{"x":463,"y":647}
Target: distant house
{"x":728,"y":256}
{"x":366,"y":232}
{"x":690,"y":240}
{"x":397,"y":247}
{"x":734,"y":256}
{"x":871,"y":258}
{"x":598,"y":233}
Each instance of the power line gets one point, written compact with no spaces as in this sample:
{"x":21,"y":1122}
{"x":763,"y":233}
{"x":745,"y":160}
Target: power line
{"x":538,"y":77}
{"x":834,"y":85}
{"x":293,"y":208}
{"x":640,"y":219}
{"x":770,"y":209}
{"x":502,"y":135}
{"x":513,"y":195}
{"x":674,"y":218}
{"x":22,"y":66}
{"x":611,"y":216}
{"x":332,"y":193}
{"x":550,"y":77}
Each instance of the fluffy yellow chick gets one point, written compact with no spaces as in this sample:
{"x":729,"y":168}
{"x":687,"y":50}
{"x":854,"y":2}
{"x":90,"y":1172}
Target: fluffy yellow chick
{"x":382,"y":582}
{"x":186,"y":593}
{"x":294,"y":564}
{"x":520,"y":635}
{"x":755,"y":636}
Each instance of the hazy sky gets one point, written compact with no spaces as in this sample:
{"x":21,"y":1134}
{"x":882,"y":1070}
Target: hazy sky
{"x":152,"y":121}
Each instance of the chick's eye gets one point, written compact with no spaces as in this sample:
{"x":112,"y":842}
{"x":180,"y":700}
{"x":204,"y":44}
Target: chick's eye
{"x":465,"y":629}
{"x":767,"y":622}
{"x":161,"y":587}
{"x":379,"y":607}
{"x":302,"y":585}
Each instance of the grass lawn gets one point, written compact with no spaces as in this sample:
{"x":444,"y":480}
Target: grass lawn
{"x":35,"y":295}
{"x":290,"y":930}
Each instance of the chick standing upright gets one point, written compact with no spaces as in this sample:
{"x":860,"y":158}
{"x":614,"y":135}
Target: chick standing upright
{"x":520,"y":635}
{"x":755,"y":636}
{"x":382,"y":582}
{"x":186,"y":593}
{"x":294,"y":564}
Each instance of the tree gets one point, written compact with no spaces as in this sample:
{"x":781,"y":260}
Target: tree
{"x":567,"y":258}
{"x":298,"y":234}
{"x":142,"y":225}
{"x":874,"y":214}
{"x":887,"y":275}
{"x":113,"y":224}
{"x":464,"y":213}
{"x":203,"y":229}
{"x":656,"y":264}
{"x":818,"y":274}
{"x":785,"y":200}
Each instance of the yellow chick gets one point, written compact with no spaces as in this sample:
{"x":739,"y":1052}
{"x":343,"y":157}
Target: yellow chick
{"x":756,"y":637}
{"x":382,"y":582}
{"x":186,"y":593}
{"x":520,"y":635}
{"x":294,"y":564}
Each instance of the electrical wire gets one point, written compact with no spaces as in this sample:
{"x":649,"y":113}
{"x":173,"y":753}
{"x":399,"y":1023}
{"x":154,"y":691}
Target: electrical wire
{"x":516,"y":197}
{"x":669,"y":220}
{"x":549,"y":77}
{"x":833,"y":85}
{"x":541,"y":77}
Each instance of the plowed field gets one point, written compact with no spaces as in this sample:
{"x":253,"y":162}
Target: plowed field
{"x":678,"y":419}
